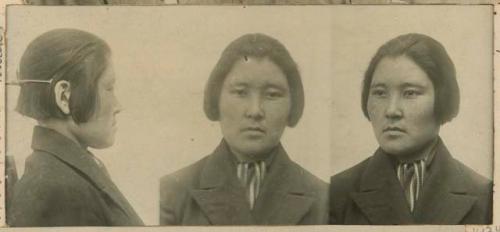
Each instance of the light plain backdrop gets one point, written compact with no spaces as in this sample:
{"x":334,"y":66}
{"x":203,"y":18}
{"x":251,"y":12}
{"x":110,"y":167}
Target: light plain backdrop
{"x":163,"y":56}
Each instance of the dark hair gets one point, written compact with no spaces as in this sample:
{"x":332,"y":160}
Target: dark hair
{"x":259,"y":46}
{"x":432,"y":58}
{"x":72,"y":55}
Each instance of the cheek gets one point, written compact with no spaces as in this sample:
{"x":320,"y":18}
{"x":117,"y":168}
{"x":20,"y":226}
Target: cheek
{"x":278,"y":110}
{"x":103,"y":107}
{"x":228,"y":109}
{"x":374,"y":110}
{"x":422,"y":112}
{"x":277,"y":117}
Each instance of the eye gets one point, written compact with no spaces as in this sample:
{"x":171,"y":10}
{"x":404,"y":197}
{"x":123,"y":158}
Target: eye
{"x":378,"y":92}
{"x":273,"y":94}
{"x":412,"y":93}
{"x":239,"y":92}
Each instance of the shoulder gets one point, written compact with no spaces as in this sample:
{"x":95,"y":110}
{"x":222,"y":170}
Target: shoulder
{"x":51,"y":193}
{"x":479,"y":187}
{"x":45,"y":172}
{"x":311,"y":181}
{"x":475,"y":182}
{"x":187,"y":176}
{"x":348,"y":179}
{"x":174,"y":191}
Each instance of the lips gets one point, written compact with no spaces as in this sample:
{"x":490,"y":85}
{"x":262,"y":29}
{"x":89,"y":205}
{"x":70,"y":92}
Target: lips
{"x":393,"y":129}
{"x":254,"y":129}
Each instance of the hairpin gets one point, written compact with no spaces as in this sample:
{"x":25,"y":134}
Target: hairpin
{"x":20,"y":82}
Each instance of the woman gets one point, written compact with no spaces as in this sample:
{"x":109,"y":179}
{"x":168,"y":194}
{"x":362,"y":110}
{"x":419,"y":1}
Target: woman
{"x":67,"y":80}
{"x":409,"y":91}
{"x":254,"y":91}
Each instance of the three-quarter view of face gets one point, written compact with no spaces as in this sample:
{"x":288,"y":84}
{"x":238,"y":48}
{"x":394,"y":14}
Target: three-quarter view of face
{"x":254,"y":106}
{"x":99,"y":131}
{"x":410,"y":89}
{"x":401,"y":106}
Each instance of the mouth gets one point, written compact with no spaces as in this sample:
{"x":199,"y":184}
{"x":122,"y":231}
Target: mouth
{"x":394,"y":129}
{"x":254,"y":129}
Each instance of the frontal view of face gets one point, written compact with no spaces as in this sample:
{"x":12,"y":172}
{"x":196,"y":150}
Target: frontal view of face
{"x":254,"y":106}
{"x":401,"y":106}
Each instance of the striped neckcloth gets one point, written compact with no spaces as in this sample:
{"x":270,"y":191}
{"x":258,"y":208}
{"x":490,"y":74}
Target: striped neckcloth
{"x":251,"y":175}
{"x":411,"y":175}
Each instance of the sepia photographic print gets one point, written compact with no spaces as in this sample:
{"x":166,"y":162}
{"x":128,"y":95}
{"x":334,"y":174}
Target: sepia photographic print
{"x":132,"y":116}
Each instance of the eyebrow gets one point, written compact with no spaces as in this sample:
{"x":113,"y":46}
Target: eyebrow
{"x":377,"y":85}
{"x":407,"y":84}
{"x":272,"y":85}
{"x":266,"y":85}
{"x":238,"y":84}
{"x":404,"y":85}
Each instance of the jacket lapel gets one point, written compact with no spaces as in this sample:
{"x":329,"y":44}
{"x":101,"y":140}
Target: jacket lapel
{"x":78,"y":158}
{"x":284,"y":198}
{"x":220,"y":195}
{"x":381,"y":198}
{"x":444,"y":196}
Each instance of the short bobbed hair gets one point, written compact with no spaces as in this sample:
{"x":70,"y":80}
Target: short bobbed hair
{"x":72,"y":55}
{"x":258,"y":46}
{"x":433,"y":59}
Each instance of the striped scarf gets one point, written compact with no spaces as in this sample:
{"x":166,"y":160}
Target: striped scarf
{"x":411,"y":175}
{"x":251,"y":175}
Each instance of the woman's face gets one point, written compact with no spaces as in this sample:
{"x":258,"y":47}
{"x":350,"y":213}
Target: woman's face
{"x":99,"y":130}
{"x":254,"y":106}
{"x":401,"y":106}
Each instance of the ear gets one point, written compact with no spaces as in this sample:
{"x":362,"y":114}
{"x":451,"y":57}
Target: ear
{"x":62,"y":91}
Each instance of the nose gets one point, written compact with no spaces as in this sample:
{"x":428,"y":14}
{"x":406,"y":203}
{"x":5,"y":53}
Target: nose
{"x":254,"y":108}
{"x":394,"y":110}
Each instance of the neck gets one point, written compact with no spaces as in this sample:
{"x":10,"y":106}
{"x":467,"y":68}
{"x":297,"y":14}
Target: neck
{"x":62,"y":127}
{"x":419,"y":154}
{"x":242,"y":157}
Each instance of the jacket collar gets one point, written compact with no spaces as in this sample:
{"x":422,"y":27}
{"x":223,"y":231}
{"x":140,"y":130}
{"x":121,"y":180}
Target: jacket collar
{"x":76,"y":157}
{"x":282,"y":200}
{"x":444,"y":196}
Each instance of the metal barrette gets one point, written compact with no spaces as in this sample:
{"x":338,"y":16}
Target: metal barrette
{"x":20,"y":82}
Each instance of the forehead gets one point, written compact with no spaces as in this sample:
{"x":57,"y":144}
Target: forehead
{"x":400,"y":70}
{"x":254,"y":71}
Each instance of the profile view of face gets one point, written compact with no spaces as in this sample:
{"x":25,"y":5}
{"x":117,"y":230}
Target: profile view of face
{"x":401,"y":106}
{"x":99,"y":131}
{"x":254,"y":105}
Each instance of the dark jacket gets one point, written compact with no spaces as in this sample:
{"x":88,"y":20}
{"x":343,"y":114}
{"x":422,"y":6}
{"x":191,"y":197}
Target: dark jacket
{"x":63,"y":185}
{"x":370,"y":193}
{"x":209,"y":193}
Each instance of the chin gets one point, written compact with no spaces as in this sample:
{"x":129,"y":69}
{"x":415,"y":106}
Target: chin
{"x":254,"y":149}
{"x":400,"y":150}
{"x":395,"y":149}
{"x":103,"y":144}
